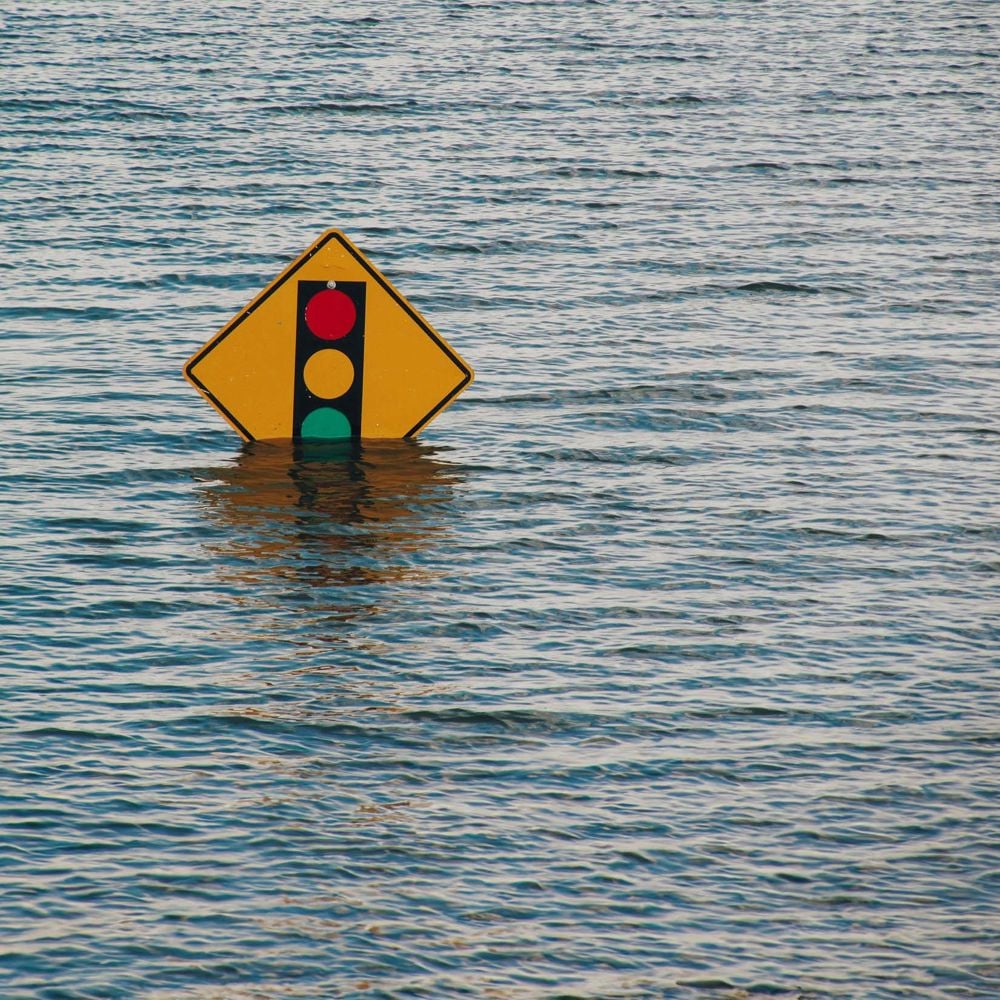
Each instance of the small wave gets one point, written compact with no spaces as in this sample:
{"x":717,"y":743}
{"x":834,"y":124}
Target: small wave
{"x":760,"y":165}
{"x":602,"y":172}
{"x":778,"y":286}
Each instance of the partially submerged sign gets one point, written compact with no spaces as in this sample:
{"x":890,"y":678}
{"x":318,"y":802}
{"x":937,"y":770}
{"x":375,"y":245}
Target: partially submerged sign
{"x":330,"y":349}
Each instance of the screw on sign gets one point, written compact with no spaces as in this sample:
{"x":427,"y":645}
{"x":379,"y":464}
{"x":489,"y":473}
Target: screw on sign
{"x":330,"y":349}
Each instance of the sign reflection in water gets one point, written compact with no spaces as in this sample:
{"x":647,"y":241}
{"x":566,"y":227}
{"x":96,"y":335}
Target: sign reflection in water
{"x":324,"y":533}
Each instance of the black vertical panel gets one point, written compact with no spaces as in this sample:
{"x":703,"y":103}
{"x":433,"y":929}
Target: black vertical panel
{"x":307,"y":344}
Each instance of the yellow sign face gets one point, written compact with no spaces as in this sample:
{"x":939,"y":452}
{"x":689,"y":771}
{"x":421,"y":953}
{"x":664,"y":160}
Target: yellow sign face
{"x":328,"y":350}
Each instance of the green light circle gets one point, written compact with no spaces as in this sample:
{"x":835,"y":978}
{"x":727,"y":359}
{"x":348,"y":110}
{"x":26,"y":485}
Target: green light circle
{"x":326,"y":423}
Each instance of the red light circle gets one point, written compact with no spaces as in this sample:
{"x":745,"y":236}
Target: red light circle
{"x":330,"y":314}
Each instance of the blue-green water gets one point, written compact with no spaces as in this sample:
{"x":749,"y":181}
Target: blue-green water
{"x":660,"y":665}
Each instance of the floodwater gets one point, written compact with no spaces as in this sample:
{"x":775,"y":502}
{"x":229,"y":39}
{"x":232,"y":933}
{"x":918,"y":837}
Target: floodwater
{"x":659,"y":665}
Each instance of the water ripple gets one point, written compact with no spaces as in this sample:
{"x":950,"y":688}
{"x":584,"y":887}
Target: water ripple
{"x":661,"y":666}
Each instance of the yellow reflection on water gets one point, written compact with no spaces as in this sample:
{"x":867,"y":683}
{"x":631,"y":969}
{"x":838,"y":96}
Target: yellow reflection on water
{"x":331,"y":530}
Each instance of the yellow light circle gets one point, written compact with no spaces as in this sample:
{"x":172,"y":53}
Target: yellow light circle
{"x":328,"y":374}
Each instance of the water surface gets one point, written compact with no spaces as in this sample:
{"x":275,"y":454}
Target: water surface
{"x":660,"y":665}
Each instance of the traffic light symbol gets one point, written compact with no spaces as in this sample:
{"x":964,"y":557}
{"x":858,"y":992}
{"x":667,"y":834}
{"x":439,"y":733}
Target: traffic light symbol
{"x":329,"y":359}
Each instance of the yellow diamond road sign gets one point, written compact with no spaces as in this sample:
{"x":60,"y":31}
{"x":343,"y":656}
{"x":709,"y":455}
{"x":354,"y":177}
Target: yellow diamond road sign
{"x":328,"y":350}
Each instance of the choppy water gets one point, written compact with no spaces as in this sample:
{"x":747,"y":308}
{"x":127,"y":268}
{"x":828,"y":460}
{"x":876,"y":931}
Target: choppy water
{"x":659,"y":667}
